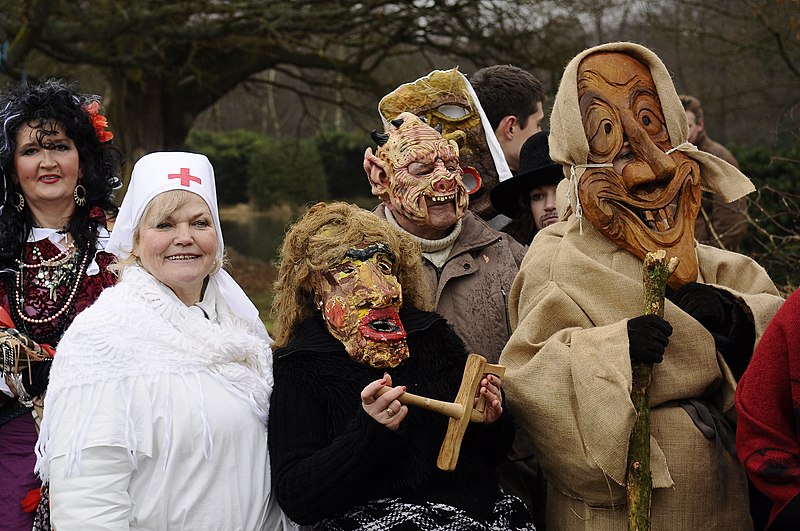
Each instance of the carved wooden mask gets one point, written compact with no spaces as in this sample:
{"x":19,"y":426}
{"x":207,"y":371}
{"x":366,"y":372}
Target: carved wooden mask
{"x":649,"y":200}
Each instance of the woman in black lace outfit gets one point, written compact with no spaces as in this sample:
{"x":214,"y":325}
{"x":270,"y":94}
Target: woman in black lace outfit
{"x":58,"y":172}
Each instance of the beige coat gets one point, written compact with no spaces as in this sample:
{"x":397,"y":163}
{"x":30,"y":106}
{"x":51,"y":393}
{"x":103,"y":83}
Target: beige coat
{"x":471,"y":289}
{"x":568,"y":383}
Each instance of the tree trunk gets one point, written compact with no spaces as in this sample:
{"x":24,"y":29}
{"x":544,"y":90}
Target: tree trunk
{"x":655,"y":272}
{"x":144,"y":118}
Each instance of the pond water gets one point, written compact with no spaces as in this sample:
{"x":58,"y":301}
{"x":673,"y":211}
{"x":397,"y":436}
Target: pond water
{"x":254,"y":236}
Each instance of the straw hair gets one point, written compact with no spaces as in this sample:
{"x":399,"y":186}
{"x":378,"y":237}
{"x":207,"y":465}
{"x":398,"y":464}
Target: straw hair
{"x":318,"y":241}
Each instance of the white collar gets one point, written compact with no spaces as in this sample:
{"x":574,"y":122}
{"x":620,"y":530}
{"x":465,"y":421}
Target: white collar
{"x":56,"y":238}
{"x":208,"y":305}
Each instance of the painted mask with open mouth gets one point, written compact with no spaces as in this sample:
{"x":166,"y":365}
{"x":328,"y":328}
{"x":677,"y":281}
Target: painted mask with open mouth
{"x":361,"y":298}
{"x":649,"y":199}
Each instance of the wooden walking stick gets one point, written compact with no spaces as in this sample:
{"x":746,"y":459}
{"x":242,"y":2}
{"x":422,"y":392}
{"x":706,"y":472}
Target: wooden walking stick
{"x":639,"y":481}
{"x":461,"y":412}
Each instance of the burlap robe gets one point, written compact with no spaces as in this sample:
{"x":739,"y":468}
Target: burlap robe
{"x":569,"y":380}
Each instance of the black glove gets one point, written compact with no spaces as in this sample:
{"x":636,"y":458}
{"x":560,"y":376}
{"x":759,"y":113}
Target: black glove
{"x":719,"y":312}
{"x":648,"y":336}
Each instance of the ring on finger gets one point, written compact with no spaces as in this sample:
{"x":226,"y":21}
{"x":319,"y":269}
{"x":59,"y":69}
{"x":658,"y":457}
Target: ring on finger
{"x":390,"y":411}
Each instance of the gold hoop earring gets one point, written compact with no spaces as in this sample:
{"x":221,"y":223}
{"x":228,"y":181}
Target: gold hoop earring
{"x":79,"y":194}
{"x":19,"y":204}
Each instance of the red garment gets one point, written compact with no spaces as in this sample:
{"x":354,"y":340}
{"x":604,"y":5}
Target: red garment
{"x":768,"y":400}
{"x":37,"y":299}
{"x":18,"y":436}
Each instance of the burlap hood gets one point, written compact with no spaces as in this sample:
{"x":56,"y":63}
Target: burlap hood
{"x":569,"y":147}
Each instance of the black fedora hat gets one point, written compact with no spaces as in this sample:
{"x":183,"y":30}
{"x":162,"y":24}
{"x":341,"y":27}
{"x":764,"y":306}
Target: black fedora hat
{"x":535,"y":169}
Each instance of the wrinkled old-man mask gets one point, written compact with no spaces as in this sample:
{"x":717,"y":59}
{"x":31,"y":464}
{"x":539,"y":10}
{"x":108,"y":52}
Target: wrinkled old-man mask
{"x":442,"y":98}
{"x":361,"y":298}
{"x":649,"y":200}
{"x":417,"y":171}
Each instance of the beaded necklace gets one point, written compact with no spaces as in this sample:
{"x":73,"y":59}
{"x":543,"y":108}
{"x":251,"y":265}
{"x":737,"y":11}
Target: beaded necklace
{"x":66,"y":262}
{"x":51,"y":273}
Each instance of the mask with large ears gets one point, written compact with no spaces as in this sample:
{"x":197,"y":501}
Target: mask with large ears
{"x":415,"y":170}
{"x":649,"y":199}
{"x":445,"y":99}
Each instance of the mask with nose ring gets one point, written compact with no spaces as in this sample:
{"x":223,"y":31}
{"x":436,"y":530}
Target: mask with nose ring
{"x":636,"y":190}
{"x":445,"y":98}
{"x":414,"y":166}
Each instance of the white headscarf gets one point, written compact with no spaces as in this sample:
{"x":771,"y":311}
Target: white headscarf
{"x":503,"y":171}
{"x":160,"y":172}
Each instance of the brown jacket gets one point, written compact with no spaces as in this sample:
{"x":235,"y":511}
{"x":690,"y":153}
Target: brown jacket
{"x":729,"y":220}
{"x":471,"y":289}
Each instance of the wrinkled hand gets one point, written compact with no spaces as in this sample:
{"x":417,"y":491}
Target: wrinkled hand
{"x":490,"y":390}
{"x":385,"y":409}
{"x":648,"y":337}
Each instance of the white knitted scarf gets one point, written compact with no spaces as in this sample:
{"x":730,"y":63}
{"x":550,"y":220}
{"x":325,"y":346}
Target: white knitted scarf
{"x":139,"y":328}
{"x":437,"y":251}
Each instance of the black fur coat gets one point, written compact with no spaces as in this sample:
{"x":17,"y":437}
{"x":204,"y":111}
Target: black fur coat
{"x":328,"y":455}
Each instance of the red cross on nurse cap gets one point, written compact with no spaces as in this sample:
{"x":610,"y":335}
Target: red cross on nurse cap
{"x":154,"y":174}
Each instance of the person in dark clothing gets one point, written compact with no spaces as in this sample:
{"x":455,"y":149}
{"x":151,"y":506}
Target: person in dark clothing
{"x":529,"y":197}
{"x":351,"y":319}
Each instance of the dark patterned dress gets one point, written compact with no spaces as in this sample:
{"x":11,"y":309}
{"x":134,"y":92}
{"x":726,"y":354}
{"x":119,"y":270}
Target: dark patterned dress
{"x":18,"y":432}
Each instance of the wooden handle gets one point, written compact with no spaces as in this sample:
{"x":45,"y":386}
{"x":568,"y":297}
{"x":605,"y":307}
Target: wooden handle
{"x":450,"y":409}
{"x":451,"y":447}
{"x":474,"y":370}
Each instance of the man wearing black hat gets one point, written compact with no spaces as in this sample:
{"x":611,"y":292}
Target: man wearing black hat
{"x":529,"y":197}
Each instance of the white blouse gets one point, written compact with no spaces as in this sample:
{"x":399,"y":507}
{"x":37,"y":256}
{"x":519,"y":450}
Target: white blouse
{"x":181,"y":488}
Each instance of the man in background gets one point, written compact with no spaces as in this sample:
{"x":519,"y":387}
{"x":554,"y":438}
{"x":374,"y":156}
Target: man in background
{"x":719,"y":224}
{"x":529,"y":197}
{"x":512,"y":100}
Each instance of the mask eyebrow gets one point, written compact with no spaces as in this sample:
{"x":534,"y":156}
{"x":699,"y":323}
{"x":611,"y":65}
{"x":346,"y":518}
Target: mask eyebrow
{"x":368,"y":252}
{"x":639,"y":91}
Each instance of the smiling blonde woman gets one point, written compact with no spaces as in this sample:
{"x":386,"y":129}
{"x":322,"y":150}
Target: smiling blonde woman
{"x":162,"y":388}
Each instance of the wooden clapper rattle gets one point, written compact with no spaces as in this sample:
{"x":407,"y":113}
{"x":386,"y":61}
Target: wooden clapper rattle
{"x":461,"y":412}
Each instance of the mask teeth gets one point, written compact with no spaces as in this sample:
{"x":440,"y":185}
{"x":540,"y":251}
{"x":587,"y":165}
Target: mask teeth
{"x":442,"y":199}
{"x":661,"y":220}
{"x":671,"y":209}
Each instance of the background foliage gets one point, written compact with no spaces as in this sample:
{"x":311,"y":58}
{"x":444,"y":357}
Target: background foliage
{"x":285,"y":172}
{"x":230,"y":154}
{"x":773,"y":237}
{"x":282,"y":94}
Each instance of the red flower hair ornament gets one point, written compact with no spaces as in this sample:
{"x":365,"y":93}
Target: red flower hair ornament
{"x":99,"y":122}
